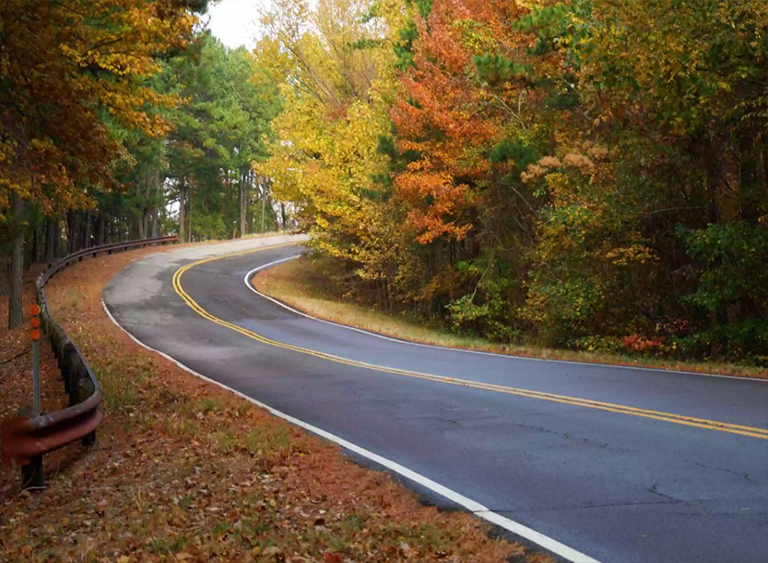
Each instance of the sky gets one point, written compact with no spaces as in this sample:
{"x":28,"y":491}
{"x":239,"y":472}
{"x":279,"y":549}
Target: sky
{"x":235,"y":22}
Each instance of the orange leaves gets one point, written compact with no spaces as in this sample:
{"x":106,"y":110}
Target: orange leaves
{"x":450,"y":117}
{"x":448,"y":202}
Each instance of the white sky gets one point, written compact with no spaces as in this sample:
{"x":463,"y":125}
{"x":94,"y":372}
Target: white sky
{"x":235,"y":22}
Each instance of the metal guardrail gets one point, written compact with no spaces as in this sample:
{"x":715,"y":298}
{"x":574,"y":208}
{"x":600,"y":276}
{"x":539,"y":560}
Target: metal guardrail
{"x":25,"y":439}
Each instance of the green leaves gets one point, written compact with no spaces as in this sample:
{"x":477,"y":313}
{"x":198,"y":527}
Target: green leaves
{"x":495,"y":69}
{"x":729,"y":260}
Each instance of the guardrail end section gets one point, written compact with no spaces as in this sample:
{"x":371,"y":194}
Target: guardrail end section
{"x":32,"y":474}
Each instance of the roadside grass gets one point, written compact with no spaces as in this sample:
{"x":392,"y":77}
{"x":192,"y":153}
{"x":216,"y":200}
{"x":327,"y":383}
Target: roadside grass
{"x":302,"y":284}
{"x":186,"y":472}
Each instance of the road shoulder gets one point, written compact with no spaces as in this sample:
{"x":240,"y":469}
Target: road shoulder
{"x":299,"y":285}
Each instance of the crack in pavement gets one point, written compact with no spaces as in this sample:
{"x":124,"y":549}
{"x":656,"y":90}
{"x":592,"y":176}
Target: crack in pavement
{"x":744,"y":475}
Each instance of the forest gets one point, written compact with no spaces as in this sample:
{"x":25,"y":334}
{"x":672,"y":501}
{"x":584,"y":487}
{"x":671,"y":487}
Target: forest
{"x":125,"y":119}
{"x":588,"y":174}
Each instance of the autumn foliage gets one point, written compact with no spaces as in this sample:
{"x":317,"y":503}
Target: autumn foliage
{"x":578,"y":173}
{"x":68,"y":68}
{"x":124,"y":119}
{"x":75,"y":84}
{"x":583,"y":174}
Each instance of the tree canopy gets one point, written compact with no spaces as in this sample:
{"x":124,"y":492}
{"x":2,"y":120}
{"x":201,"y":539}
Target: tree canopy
{"x":585,"y":173}
{"x":589,"y":174}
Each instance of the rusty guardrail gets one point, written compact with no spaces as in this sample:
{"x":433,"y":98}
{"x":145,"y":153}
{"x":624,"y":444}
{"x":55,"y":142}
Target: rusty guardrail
{"x":26,"y":438}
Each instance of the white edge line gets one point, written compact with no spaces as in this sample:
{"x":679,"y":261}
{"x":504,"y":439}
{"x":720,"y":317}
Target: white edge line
{"x":465,"y":350}
{"x":472,"y":506}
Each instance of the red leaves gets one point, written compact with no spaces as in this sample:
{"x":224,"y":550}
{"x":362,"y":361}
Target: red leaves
{"x":644,"y":345}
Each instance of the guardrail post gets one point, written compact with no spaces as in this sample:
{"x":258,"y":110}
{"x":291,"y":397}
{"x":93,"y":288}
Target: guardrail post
{"x":84,"y":390}
{"x":32,"y":475}
{"x":35,"y":335}
{"x":89,"y":439}
{"x":69,"y":372}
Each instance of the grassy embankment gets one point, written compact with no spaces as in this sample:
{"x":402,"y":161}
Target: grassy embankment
{"x":301,"y":284}
{"x":185,"y":471}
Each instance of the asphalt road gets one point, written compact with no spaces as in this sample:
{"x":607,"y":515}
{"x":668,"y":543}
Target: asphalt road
{"x":622,"y":465}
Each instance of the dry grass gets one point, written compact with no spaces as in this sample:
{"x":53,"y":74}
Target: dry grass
{"x":300,"y":284}
{"x":185,"y":471}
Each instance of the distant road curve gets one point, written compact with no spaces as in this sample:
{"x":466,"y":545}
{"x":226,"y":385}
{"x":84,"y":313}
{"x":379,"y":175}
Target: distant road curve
{"x":594,"y":463}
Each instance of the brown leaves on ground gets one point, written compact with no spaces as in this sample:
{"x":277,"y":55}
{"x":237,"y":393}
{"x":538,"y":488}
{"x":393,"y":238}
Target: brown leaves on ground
{"x":16,"y":363}
{"x":184,"y":471}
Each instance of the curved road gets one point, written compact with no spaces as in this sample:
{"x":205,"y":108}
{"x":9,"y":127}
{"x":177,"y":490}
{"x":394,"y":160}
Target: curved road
{"x":618,"y":464}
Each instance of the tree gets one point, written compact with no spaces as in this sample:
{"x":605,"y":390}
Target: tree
{"x":219,"y":133}
{"x":69,"y":68}
{"x":589,"y":174}
{"x":335,"y":66}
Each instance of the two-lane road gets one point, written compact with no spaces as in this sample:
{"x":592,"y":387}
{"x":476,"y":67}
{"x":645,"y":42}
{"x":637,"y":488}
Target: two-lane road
{"x":620,"y":464}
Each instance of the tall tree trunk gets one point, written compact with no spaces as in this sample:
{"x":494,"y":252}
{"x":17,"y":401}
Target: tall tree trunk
{"x":32,"y":249}
{"x":243,"y":203}
{"x":51,"y":225}
{"x":182,"y":208}
{"x":4,"y":269}
{"x":88,"y":230}
{"x":155,"y":210}
{"x":142,"y":232}
{"x":56,"y":239}
{"x":252,"y":187}
{"x":82,"y":229}
{"x":43,"y":230}
{"x":147,"y":203}
{"x":189,"y":223}
{"x":263,"y":212}
{"x":100,"y":229}
{"x":15,"y":306}
{"x":283,"y":216}
{"x":71,"y":231}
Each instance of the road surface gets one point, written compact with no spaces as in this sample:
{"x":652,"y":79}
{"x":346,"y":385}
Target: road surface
{"x":605,"y":463}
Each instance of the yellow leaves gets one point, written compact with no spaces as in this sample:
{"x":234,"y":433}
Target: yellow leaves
{"x":324,"y":158}
{"x":68,"y":62}
{"x":623,"y":256}
{"x":475,"y":36}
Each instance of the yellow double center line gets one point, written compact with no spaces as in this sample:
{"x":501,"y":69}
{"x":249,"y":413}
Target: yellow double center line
{"x":753,"y":432}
